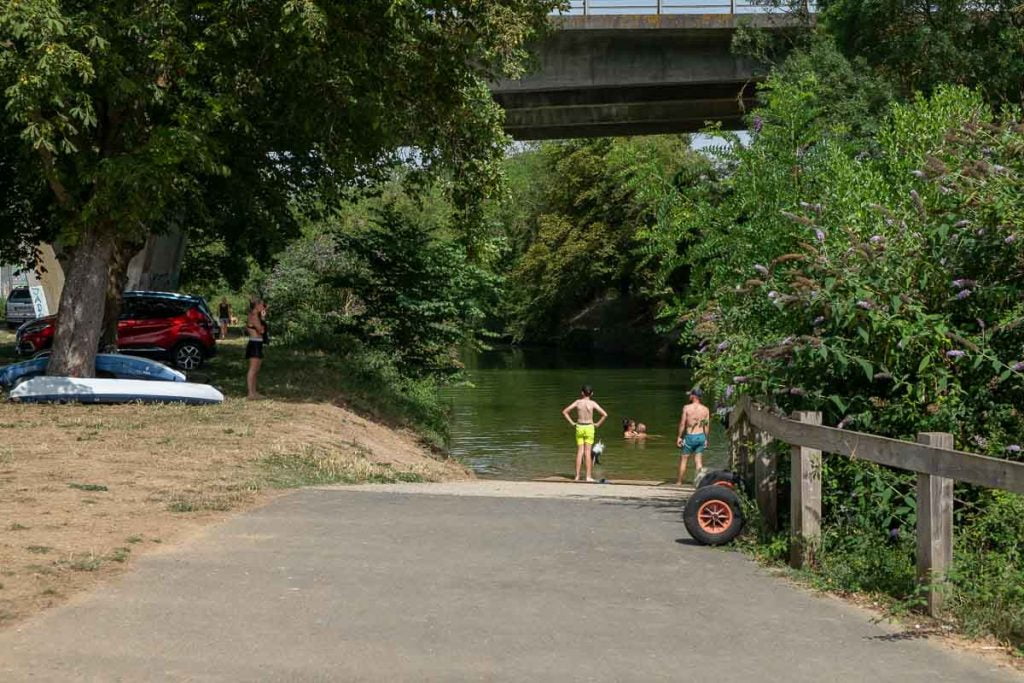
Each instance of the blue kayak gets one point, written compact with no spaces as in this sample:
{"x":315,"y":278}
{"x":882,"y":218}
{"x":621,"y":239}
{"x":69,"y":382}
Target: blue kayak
{"x":116,"y":364}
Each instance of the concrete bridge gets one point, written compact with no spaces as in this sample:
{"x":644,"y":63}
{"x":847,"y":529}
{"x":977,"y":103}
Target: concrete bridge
{"x":632,"y":74}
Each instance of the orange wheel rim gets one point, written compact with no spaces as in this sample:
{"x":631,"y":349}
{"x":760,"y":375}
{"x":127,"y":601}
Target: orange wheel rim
{"x":714,"y":517}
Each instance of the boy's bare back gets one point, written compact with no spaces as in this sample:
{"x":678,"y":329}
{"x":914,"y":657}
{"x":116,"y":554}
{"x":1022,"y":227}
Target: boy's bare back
{"x":585,"y":410}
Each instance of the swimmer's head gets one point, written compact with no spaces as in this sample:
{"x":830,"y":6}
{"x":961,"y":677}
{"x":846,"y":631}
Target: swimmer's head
{"x":641,"y":428}
{"x":587,"y":390}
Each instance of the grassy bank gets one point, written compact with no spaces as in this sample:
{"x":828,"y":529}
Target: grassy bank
{"x":362,"y":383}
{"x":83,"y":489}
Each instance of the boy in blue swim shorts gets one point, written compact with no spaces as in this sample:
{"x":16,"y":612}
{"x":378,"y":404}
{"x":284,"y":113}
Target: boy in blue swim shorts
{"x":585,"y":427}
{"x":694,"y":433}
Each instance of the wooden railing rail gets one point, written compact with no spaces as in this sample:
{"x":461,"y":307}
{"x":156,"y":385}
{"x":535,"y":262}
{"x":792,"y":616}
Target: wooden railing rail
{"x":752,"y":429}
{"x":970,"y":468}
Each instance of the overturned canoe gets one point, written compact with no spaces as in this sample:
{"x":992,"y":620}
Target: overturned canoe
{"x":77,"y":390}
{"x":116,"y":364}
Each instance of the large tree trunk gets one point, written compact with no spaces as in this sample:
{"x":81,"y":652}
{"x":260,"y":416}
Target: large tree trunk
{"x":122,"y":255}
{"x":80,"y":318}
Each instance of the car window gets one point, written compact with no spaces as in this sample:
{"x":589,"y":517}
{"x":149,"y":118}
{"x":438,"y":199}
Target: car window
{"x":21,"y":296}
{"x":151,"y":309}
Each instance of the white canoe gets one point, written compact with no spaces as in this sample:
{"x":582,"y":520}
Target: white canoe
{"x":76,"y":390}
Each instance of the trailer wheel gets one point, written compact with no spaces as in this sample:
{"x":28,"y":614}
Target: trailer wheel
{"x":713,"y":515}
{"x":714,"y":477}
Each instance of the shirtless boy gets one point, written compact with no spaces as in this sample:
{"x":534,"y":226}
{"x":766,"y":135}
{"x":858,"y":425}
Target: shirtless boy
{"x":694,"y":433}
{"x":585,"y":408}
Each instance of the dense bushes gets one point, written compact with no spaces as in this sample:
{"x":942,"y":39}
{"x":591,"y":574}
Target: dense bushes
{"x":380,"y":276}
{"x":889,"y":291}
{"x":871,"y":267}
{"x":577,"y":241}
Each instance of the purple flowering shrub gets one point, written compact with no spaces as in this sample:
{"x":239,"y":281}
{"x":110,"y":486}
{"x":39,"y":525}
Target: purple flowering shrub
{"x":896,"y":304}
{"x":879,"y":279}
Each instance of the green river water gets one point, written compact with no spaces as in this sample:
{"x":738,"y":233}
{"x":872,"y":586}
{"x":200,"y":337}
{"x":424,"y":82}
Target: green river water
{"x":508,"y":422}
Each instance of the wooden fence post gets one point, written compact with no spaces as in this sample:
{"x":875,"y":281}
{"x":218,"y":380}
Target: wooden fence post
{"x":766,"y":480}
{"x":934,"y":525}
{"x":739,"y":448}
{"x":805,"y":499}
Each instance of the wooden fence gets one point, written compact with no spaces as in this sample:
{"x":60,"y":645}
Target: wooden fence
{"x":753,"y":429}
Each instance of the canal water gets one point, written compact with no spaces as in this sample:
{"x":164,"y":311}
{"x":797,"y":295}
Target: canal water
{"x":508,"y":422}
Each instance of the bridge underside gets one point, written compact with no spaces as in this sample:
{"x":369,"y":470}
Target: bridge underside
{"x":632,"y":75}
{"x":637,"y":110}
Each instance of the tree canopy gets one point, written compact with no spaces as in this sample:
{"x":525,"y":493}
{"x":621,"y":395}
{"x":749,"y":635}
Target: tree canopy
{"x":130,"y":117}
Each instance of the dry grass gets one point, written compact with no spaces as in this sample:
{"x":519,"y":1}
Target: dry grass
{"x":85,"y":488}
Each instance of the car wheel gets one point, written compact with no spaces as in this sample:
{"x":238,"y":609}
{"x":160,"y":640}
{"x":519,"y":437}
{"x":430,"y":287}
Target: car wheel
{"x":188,"y":356}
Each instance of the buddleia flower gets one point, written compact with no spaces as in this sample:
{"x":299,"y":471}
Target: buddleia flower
{"x":962,"y":223}
{"x":865,"y":304}
{"x":963,"y":294}
{"x":761,"y":269}
{"x":955,"y":353}
{"x":740,"y":379}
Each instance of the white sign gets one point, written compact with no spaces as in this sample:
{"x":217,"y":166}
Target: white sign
{"x":39,"y":301}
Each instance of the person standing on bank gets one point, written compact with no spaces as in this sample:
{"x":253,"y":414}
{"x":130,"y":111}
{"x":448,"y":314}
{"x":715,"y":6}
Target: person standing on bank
{"x":256,"y":327}
{"x":585,"y":408}
{"x":224,"y":317}
{"x":694,"y":433}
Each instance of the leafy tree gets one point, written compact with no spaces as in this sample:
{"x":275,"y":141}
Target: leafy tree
{"x":386,"y":275}
{"x":212,"y":115}
{"x":588,"y":202}
{"x":922,"y":45}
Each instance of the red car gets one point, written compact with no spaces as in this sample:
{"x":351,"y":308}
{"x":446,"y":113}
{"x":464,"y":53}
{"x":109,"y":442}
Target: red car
{"x":174,"y":327}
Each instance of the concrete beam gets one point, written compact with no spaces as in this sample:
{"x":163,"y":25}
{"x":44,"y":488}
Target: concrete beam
{"x":630,"y":74}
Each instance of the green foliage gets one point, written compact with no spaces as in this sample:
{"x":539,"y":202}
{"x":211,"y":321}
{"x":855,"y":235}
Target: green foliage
{"x":881,"y":280}
{"x":382,"y":274}
{"x":921,"y":46}
{"x":215,"y":116}
{"x":571,"y":225}
{"x":863,"y":258}
{"x":988,"y":574}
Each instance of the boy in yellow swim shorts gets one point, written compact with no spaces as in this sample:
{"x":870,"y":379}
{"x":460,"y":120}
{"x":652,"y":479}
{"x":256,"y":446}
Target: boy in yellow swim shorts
{"x":585,"y":408}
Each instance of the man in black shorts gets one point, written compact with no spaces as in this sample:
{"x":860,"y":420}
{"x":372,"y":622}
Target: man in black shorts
{"x":256,"y":327}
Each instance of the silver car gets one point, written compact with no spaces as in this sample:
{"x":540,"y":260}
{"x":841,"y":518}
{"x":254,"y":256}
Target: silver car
{"x":19,"y":307}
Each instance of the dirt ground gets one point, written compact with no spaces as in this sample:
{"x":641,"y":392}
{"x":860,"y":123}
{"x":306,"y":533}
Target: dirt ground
{"x":84,"y":489}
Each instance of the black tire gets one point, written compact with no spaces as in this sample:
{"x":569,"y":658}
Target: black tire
{"x":713,"y":515}
{"x":712,"y":477}
{"x":188,"y":356}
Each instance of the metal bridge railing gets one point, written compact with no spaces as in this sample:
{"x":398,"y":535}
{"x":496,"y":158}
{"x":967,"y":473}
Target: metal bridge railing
{"x":609,"y":7}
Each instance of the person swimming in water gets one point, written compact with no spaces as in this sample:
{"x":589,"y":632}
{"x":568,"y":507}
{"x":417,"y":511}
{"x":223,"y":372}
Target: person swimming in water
{"x":628,"y":428}
{"x":641,"y":431}
{"x":585,"y":407}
